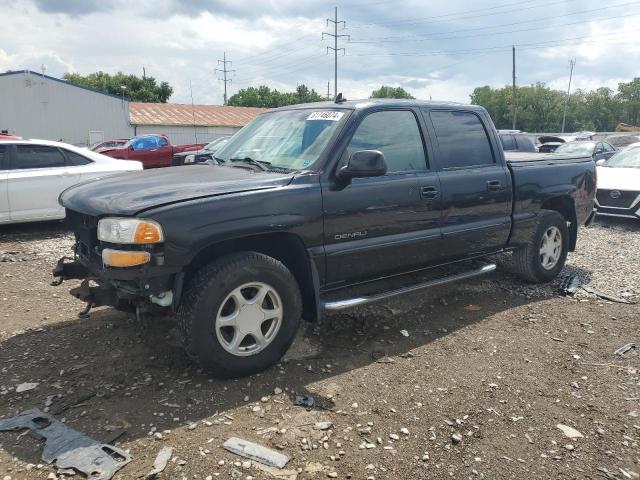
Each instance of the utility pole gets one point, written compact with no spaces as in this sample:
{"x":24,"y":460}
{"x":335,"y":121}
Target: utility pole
{"x":513,"y":94}
{"x":572,"y":64}
{"x":224,"y":71}
{"x":328,"y":92}
{"x":335,"y":47}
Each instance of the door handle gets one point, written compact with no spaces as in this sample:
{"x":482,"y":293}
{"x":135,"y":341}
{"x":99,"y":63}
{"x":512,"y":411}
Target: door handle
{"x":494,"y":186}
{"x":429,"y":192}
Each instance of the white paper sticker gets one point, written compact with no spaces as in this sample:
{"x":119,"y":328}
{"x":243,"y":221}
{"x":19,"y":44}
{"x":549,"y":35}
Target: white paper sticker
{"x":326,"y":115}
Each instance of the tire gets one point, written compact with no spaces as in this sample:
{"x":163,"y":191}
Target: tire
{"x":530,"y":264}
{"x":229,"y":304}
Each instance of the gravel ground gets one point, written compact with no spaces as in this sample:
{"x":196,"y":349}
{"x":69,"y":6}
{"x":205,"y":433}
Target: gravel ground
{"x":467,"y":381}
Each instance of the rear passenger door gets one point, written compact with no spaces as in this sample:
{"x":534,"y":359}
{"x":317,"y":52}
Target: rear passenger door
{"x":4,"y":186}
{"x":37,"y":175}
{"x":380,"y":225}
{"x":476,"y":186}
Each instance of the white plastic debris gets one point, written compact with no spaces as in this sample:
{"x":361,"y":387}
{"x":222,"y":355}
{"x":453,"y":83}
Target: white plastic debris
{"x":256,"y":452}
{"x":569,"y":432}
{"x":404,"y":333}
{"x":160,"y":462}
{"x":25,"y":387}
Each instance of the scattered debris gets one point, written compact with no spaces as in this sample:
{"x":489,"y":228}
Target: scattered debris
{"x":570,"y":284}
{"x":25,"y":387}
{"x":69,"y":448}
{"x":160,"y":463}
{"x":304,"y":400}
{"x":624,"y":349}
{"x":275,"y":472}
{"x":404,"y":333}
{"x":569,"y":432}
{"x":322,"y":425}
{"x":456,"y":438}
{"x":256,"y":452}
{"x":606,"y":296}
{"x":472,"y":308}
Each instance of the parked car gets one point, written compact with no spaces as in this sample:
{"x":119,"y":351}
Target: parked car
{"x":33,"y":173}
{"x":621,"y":141}
{"x":596,"y":150}
{"x":8,"y":136}
{"x":619,"y":184}
{"x":516,"y":141}
{"x":108,"y":144}
{"x":152,"y":150}
{"x":549,"y":143}
{"x":200,"y":156}
{"x":315,"y":208}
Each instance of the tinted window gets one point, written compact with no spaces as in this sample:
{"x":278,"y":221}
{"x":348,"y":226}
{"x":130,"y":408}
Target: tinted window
{"x":462,"y":139}
{"x":607,"y":147}
{"x":3,"y":157}
{"x":75,"y":159}
{"x":37,"y":156}
{"x":396,"y":135}
{"x":525,"y":144}
{"x":508,"y":143}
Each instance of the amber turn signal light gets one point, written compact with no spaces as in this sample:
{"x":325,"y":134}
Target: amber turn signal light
{"x":123,"y":258}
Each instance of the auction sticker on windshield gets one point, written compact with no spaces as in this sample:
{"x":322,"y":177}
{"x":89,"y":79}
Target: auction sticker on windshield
{"x":325,"y":115}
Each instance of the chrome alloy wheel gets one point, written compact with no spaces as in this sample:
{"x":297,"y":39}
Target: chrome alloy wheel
{"x":249,"y":319}
{"x":550,"y":248}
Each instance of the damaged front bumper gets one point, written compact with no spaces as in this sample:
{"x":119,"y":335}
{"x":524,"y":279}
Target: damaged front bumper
{"x":127,"y":289}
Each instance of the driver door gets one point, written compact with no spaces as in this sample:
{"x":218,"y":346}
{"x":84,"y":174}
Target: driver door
{"x":382,"y":225}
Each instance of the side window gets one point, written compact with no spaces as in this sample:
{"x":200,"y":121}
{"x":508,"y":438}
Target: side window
{"x":75,"y":159}
{"x":162,"y":142}
{"x":525,"y":144}
{"x":37,"y":156}
{"x":4,"y":158}
{"x":599,"y":147}
{"x":607,"y":147}
{"x":508,"y":143}
{"x":396,"y":134}
{"x":462,"y":139}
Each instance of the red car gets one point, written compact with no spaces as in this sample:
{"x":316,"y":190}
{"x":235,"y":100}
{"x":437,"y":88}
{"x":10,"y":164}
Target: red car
{"x":152,"y":150}
{"x":8,"y":136}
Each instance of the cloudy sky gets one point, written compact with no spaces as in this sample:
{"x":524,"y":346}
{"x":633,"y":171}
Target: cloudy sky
{"x":434,"y":48}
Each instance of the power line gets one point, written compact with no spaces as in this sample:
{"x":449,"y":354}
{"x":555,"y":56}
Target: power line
{"x":335,"y":48}
{"x":224,"y":71}
{"x":535,"y":20}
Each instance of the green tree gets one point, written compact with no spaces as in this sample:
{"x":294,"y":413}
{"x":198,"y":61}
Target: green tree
{"x":629,"y":97}
{"x":138,"y":89}
{"x":391,"y":92}
{"x":264,"y":97}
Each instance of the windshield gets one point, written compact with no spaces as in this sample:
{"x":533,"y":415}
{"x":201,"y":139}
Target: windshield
{"x":216,"y":144}
{"x":290,"y":139}
{"x":629,"y":158}
{"x":576,"y":147}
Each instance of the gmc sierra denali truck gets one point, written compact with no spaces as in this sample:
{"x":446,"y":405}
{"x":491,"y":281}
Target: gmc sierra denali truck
{"x":316,"y":208}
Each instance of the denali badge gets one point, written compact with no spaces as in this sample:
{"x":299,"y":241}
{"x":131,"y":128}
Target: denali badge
{"x":615,"y":194}
{"x":343,"y":236}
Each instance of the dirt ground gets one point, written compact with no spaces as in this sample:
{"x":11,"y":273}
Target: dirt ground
{"x":476,"y":390}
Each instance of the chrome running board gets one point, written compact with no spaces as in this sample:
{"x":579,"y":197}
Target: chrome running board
{"x":336,"y":305}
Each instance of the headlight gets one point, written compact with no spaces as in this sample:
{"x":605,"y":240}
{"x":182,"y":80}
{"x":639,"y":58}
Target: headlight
{"x":189,"y":159}
{"x":129,"y":230}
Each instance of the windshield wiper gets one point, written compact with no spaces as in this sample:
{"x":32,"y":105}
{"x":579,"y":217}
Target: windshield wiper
{"x":263,"y":165}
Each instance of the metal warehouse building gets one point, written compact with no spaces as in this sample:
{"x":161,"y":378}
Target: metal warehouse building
{"x":34,"y":105}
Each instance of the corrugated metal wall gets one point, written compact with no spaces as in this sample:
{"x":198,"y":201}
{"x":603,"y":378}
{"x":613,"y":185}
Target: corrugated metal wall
{"x":180,"y":135}
{"x":34,"y":106}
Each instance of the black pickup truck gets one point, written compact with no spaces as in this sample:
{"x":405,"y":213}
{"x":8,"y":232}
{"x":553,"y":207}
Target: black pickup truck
{"x":317,"y":208}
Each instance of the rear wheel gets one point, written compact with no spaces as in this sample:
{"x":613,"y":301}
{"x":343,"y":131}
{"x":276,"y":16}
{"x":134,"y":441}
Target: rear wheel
{"x":240,"y":313}
{"x":543,"y":257}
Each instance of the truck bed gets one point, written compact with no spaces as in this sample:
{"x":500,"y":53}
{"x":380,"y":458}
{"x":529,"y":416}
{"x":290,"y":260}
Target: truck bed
{"x":519,"y":158}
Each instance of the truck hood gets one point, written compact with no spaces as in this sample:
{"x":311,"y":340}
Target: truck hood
{"x":131,"y":193}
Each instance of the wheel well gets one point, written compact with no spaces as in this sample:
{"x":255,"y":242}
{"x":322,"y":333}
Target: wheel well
{"x":566,"y":207}
{"x":285,"y":247}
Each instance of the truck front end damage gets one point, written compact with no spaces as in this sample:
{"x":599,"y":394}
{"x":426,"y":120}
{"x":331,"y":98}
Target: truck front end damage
{"x":121,"y":264}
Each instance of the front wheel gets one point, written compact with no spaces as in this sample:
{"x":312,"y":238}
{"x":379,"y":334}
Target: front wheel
{"x":240,"y":314}
{"x":543,"y":257}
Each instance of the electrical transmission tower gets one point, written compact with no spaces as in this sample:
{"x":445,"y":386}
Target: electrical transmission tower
{"x":224,"y":70}
{"x":335,"y":47}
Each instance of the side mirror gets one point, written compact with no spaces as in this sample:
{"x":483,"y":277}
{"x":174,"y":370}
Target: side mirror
{"x":363,"y":163}
{"x":600,"y":162}
{"x":131,"y":148}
